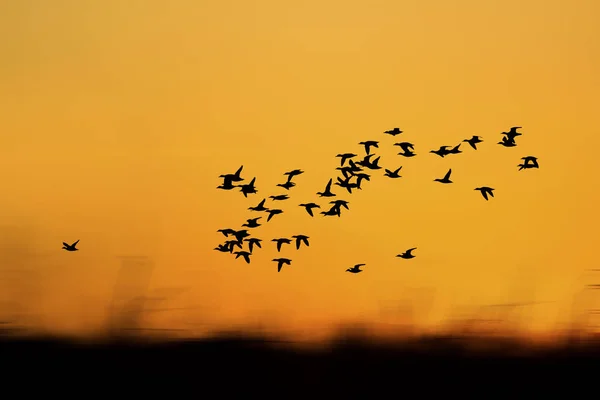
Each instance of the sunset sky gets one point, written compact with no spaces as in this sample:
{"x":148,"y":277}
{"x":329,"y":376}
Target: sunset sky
{"x":117,"y":117}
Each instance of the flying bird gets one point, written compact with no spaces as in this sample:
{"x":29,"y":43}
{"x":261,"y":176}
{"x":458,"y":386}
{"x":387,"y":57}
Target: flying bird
{"x":407,"y":149}
{"x":529,"y":162}
{"x":393,"y":174}
{"x":244,"y":254}
{"x":70,"y":247}
{"x":485,"y":190}
{"x":446,"y":178}
{"x":252,"y":223}
{"x":301,"y":239}
{"x":259,"y":207}
{"x":368,"y":144}
{"x":279,"y":197}
{"x":273,"y":213}
{"x":309,"y":206}
{"x":407,"y":254}
{"x":293,"y":173}
{"x":340,"y":203}
{"x":287,"y":185}
{"x":442,"y":151}
{"x":223,"y":248}
{"x":253,"y":242}
{"x":512,"y":133}
{"x":281,"y":261}
{"x":345,"y":156}
{"x":280,"y":242}
{"x":248,"y":188}
{"x":507,"y":142}
{"x":327,"y":192}
{"x":455,"y":150}
{"x":227,"y":185}
{"x":356,"y":269}
{"x":473,"y":141}
{"x":394,"y":132}
{"x":227,"y":232}
{"x":233,"y":177}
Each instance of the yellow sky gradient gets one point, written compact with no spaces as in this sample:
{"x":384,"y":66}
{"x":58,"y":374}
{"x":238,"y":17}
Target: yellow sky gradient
{"x":116,"y":117}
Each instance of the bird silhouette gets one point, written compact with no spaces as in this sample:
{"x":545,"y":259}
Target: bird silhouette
{"x":227,"y":185}
{"x":227,"y":232}
{"x":309,"y":206}
{"x":327,"y":192}
{"x":393,"y":174}
{"x":287,"y":185}
{"x":340,"y":203}
{"x":231,"y":244}
{"x":506,"y":142}
{"x":333,"y":211}
{"x":244,"y":254}
{"x":259,"y":207}
{"x":248,"y":188}
{"x":280,"y":242}
{"x":252,"y":222}
{"x":279,"y":197}
{"x":407,"y":149}
{"x":70,"y":247}
{"x":455,"y":150}
{"x":241,"y":234}
{"x":485,"y":190}
{"x":356,"y":269}
{"x":345,"y":156}
{"x":407,"y":254}
{"x":253,"y":242}
{"x":293,"y":173}
{"x":442,"y":151}
{"x":393,"y":132}
{"x":473,"y":141}
{"x":512,"y":133}
{"x":272,"y":213}
{"x":529,"y":162}
{"x":281,"y":261}
{"x":223,"y":248}
{"x":233,"y":177}
{"x":368,"y":144}
{"x":300,"y":239}
{"x":446,"y":178}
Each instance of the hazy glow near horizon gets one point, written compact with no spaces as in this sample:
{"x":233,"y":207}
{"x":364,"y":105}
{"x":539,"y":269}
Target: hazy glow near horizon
{"x":117,"y":117}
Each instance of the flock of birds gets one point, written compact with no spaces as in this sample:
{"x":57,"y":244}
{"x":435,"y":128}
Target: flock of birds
{"x":353,"y":174}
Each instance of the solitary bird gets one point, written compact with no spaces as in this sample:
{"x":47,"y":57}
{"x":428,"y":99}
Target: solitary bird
{"x":446,"y":178}
{"x":248,"y":188}
{"x":356,"y":269}
{"x":280,"y":242}
{"x":280,"y":197}
{"x":394,"y":132}
{"x":309,"y":206}
{"x":485,"y":190}
{"x":244,"y":254}
{"x":259,"y":207}
{"x":327,"y":192}
{"x":252,"y":242}
{"x":70,"y":247}
{"x":407,"y":254}
{"x":473,"y":141}
{"x":281,"y":261}
{"x":273,"y":213}
{"x":393,"y":174}
{"x":345,"y":156}
{"x":300,"y":239}
{"x":368,"y":144}
{"x":252,"y":222}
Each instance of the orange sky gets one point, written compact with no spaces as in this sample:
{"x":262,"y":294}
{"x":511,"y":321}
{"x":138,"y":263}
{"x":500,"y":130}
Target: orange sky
{"x":117,"y":117}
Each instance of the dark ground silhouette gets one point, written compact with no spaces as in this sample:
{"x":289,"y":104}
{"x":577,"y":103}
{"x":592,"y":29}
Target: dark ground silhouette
{"x":240,"y":364}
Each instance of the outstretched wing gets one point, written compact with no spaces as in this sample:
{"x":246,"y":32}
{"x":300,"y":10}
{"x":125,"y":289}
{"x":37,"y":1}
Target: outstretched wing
{"x":447,"y":176}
